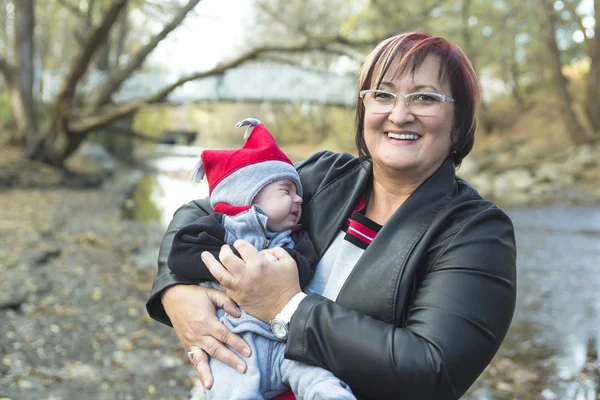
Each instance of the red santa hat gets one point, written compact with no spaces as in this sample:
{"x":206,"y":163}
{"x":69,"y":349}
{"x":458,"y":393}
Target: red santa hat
{"x":236,"y":176}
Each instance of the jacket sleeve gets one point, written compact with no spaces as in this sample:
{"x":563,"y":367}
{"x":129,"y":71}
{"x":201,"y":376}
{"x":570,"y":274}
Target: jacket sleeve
{"x":204,"y":234}
{"x":459,"y":314}
{"x":165,"y":278}
{"x":305,"y":255}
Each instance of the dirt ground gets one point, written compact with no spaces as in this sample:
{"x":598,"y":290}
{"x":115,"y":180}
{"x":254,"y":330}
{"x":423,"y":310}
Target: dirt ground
{"x":74,"y":279}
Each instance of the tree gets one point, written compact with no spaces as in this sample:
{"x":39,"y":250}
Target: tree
{"x":576,"y":127}
{"x":19,"y":78}
{"x":70,"y":118}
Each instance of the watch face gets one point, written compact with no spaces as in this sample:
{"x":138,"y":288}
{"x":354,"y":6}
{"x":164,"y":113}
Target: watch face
{"x":279,"y":329}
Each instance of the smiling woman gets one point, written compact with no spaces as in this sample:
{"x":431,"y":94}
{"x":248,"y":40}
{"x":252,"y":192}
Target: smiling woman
{"x":402,"y":144}
{"x":415,"y":286}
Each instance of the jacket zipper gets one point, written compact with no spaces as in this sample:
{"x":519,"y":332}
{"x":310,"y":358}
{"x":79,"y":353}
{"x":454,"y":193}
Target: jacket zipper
{"x":262,"y":228}
{"x":264,"y":231}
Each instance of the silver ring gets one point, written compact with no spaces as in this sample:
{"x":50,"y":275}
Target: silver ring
{"x":190,"y":354}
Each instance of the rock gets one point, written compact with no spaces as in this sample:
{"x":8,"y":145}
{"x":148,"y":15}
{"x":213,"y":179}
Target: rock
{"x":96,"y":153}
{"x":511,"y":181}
{"x":482,"y":183}
{"x":584,"y":156}
{"x":468,"y":168}
{"x":14,"y":290}
{"x":552,"y":172}
{"x":541,"y":189}
{"x":41,"y":257}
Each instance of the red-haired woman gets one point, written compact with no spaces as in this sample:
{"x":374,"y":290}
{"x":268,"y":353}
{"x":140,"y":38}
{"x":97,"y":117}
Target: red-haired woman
{"x":416,"y":284}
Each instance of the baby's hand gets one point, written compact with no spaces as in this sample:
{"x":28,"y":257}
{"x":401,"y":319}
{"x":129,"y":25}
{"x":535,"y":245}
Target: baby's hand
{"x":268,"y":256}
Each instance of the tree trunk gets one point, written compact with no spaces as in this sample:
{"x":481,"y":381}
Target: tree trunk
{"x":22,"y":105}
{"x":574,"y":126}
{"x":123,"y":31}
{"x":118,"y":145}
{"x":58,"y":142}
{"x":488,"y":122}
{"x":592,"y":103}
{"x":103,"y":58}
{"x":511,"y":65}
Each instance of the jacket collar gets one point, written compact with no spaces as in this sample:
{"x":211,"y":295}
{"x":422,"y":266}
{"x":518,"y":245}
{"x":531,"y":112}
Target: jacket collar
{"x":326,"y":211}
{"x":343,"y":195}
{"x":383,"y":262}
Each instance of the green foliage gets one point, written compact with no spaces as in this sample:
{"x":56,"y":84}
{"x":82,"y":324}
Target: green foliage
{"x":145,"y":209}
{"x":152,"y":120}
{"x":4,"y":105}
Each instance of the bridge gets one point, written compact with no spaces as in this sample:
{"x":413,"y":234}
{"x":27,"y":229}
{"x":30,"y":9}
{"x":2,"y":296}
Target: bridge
{"x":249,"y":83}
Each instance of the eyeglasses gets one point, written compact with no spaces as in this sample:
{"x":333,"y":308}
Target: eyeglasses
{"x":424,"y":104}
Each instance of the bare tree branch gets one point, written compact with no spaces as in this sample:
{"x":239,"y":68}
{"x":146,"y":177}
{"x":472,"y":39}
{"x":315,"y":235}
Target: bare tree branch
{"x":112,"y":113}
{"x":118,"y":76}
{"x":93,"y":41}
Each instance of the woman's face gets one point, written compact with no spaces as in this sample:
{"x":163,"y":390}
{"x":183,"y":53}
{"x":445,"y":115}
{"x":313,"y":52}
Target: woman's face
{"x":417,"y":157}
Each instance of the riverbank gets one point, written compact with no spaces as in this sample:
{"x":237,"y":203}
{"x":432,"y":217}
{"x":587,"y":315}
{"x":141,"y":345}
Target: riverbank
{"x":74,"y":278}
{"x":511,"y":173}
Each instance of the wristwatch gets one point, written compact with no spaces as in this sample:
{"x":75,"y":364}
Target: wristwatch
{"x":280,"y":325}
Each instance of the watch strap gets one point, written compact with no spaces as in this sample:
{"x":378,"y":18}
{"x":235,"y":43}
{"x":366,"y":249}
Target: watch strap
{"x":290,"y":308}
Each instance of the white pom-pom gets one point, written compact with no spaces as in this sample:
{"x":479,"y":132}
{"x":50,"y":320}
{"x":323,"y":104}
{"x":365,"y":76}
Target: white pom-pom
{"x":249,"y":123}
{"x":197,"y":172}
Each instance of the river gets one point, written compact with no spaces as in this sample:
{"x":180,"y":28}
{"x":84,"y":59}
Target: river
{"x":551,"y":350}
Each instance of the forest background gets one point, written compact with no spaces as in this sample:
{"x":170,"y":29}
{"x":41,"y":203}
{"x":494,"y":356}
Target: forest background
{"x":539,"y":64}
{"x":538,"y":142}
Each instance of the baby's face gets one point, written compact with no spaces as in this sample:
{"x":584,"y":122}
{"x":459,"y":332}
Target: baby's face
{"x":280,"y":201}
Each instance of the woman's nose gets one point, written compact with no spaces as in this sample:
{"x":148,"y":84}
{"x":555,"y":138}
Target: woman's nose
{"x":400,"y":114}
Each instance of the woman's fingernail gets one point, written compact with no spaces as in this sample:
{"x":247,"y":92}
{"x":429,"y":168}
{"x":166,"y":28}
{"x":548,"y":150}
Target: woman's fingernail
{"x":240,"y":368}
{"x":203,"y":256}
{"x":246,"y":352}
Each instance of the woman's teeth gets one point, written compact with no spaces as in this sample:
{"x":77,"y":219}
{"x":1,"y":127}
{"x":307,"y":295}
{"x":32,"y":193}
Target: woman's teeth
{"x":403,"y":136}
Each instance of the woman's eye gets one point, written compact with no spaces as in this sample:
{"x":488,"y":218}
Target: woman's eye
{"x":384,"y":96}
{"x":425,"y":98}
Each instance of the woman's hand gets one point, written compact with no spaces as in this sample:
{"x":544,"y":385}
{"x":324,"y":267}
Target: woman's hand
{"x":260,"y":286}
{"x":192,"y":310}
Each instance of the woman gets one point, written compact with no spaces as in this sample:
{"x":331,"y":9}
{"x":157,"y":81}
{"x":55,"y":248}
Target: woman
{"x":421,"y":310}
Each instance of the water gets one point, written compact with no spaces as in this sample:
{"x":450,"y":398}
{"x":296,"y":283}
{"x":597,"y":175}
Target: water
{"x":172,"y":187}
{"x":551,"y":350}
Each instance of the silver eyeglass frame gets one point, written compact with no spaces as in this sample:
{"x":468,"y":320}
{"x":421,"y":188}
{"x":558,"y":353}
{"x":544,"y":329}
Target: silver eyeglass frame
{"x":440,"y":96}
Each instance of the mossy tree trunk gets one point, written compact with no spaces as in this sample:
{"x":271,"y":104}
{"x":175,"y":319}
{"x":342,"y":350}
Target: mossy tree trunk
{"x":575,"y":127}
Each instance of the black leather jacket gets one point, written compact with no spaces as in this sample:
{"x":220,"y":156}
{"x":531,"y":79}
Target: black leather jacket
{"x":426,"y":306}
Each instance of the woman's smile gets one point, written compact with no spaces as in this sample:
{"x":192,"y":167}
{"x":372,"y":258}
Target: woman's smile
{"x":402,"y":137}
{"x":402,"y":142}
